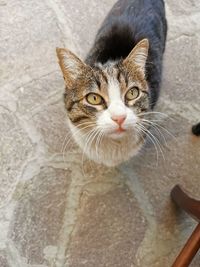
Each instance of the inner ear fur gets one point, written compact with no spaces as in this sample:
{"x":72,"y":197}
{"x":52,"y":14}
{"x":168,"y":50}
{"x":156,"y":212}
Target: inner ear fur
{"x":138,"y":55}
{"x":71,"y":66}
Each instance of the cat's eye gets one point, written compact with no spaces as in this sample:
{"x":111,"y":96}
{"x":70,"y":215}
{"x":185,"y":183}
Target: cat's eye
{"x":94,"y":99}
{"x":132,"y":93}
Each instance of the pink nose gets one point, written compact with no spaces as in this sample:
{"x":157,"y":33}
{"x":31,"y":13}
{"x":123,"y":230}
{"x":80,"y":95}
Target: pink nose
{"x":119,"y":119}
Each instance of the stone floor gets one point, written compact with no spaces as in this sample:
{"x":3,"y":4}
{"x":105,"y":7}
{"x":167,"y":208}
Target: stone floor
{"x":56,"y":211}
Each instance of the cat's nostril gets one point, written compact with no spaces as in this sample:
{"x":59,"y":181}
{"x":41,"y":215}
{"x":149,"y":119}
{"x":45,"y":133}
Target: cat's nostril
{"x":119,"y":119}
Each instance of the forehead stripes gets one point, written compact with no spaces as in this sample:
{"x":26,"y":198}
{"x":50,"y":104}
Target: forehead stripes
{"x":116,"y":106}
{"x":109,"y":81}
{"x":110,"y":77}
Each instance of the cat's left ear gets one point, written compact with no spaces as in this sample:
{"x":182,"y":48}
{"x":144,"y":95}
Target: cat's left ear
{"x":72,"y":67}
{"x":138,"y":56}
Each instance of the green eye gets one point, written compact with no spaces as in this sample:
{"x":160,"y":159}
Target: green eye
{"x":132,"y":94}
{"x":94,"y":99}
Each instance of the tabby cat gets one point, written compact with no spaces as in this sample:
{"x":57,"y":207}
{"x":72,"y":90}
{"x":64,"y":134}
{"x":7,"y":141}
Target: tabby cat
{"x":109,"y":96}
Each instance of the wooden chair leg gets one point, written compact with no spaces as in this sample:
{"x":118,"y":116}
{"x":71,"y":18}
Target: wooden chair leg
{"x":185,"y":202}
{"x":190,"y":249}
{"x":192,"y":207}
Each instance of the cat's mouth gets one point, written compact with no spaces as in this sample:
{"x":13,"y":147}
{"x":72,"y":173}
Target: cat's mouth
{"x":118,"y":133}
{"x":120,"y":130}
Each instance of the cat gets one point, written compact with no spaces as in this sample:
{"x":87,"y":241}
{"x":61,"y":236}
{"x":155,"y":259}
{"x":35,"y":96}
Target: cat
{"x":196,"y":129}
{"x":109,"y":96}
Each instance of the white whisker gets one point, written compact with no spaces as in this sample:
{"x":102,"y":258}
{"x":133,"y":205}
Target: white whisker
{"x":160,"y":126}
{"x":71,"y":135}
{"x":87,"y":145}
{"x":156,"y":129}
{"x":152,"y":140}
{"x":155,"y":139}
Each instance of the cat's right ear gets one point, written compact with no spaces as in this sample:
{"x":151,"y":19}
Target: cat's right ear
{"x":71,"y":66}
{"x":138,"y":56}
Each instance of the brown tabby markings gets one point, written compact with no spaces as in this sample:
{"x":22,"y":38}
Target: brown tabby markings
{"x":81,"y":79}
{"x":97,"y":81}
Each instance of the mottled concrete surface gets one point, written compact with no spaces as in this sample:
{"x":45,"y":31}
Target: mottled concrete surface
{"x":59,"y":211}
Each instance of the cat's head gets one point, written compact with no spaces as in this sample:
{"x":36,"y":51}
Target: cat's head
{"x":106,"y":103}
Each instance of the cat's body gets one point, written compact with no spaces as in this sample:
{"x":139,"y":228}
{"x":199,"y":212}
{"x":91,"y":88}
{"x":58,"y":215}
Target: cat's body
{"x":108,"y":97}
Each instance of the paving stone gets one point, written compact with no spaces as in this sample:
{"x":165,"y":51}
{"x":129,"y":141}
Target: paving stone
{"x":183,"y":7}
{"x":56,"y":210}
{"x":16,"y":148}
{"x":51,"y":123}
{"x":86,"y":17}
{"x":3,"y":260}
{"x":181,"y":76}
{"x":39,"y":214}
{"x":28,"y":39}
{"x":109,"y":230}
{"x":41,"y":101}
{"x":38,"y":94}
{"x":195,"y":262}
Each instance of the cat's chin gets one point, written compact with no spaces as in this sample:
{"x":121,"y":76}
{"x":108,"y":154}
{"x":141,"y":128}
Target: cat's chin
{"x":114,"y":149}
{"x":117,"y":135}
{"x":114,"y":159}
